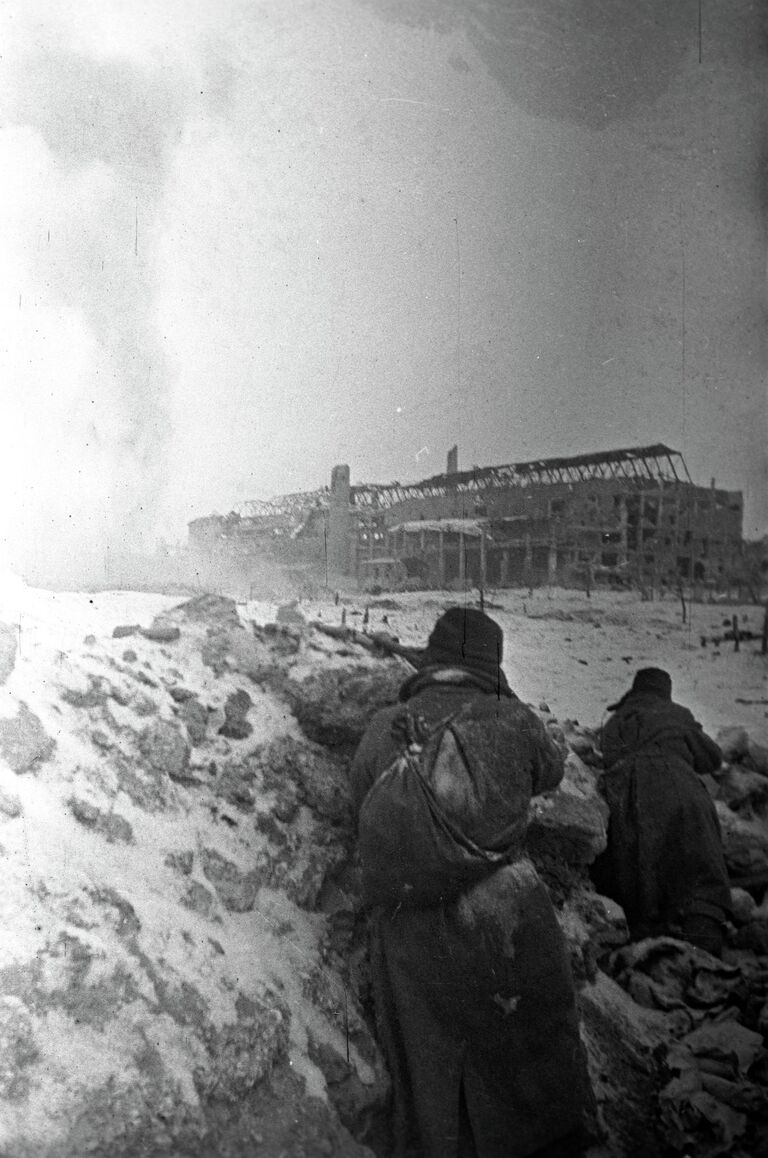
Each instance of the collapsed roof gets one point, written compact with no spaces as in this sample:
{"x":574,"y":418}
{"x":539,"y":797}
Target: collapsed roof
{"x":658,"y":463}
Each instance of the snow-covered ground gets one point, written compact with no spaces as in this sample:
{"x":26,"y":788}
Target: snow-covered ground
{"x":576,"y":654}
{"x":579,"y":655}
{"x":125,"y":841}
{"x":117,"y":868}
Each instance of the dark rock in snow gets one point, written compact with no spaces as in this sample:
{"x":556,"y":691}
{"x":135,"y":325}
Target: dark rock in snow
{"x":237,"y":890}
{"x":289,"y":613}
{"x":236,"y":729}
{"x":180,"y":694}
{"x":566,"y":826}
{"x":165,"y":749}
{"x":320,"y":781}
{"x":279,"y":1120}
{"x":143,"y":705}
{"x":126,"y":629}
{"x":581,"y":743}
{"x":263,"y":655}
{"x":121,"y":694}
{"x":24,"y":743}
{"x":281,"y":640}
{"x":272,"y":828}
{"x":147,"y":786}
{"x":362,"y":1108}
{"x":121,"y":913}
{"x":245,"y":1052}
{"x":236,"y":726}
{"x":194,"y":716}
{"x":303,"y":866}
{"x":286,"y":804}
{"x":113,"y":827}
{"x":333,"y":707}
{"x":95,"y":696}
{"x":181,"y":861}
{"x":149,"y":1117}
{"x":234,"y":785}
{"x":161,"y":632}
{"x":217,"y":609}
{"x":199,"y":899}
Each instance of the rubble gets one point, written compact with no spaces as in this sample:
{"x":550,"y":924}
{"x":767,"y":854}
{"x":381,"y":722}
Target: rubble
{"x":711,"y":1099}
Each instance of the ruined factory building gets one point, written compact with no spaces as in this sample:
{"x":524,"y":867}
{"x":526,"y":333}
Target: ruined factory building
{"x":629,"y":516}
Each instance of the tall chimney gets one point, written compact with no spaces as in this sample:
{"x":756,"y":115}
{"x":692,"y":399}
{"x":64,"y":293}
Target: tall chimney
{"x":453,"y":461}
{"x":340,"y":521}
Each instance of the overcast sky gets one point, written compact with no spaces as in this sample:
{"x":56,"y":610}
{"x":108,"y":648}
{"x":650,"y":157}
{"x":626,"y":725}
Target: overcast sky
{"x":243,"y":241}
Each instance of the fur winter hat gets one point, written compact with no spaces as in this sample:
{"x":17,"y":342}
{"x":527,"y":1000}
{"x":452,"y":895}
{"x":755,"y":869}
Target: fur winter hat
{"x":464,"y":637}
{"x":649,"y":681}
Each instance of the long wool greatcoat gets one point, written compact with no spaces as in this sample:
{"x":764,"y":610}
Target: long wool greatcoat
{"x":664,"y":858}
{"x":475,"y":998}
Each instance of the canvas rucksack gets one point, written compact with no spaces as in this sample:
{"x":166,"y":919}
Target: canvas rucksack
{"x":439,"y":818}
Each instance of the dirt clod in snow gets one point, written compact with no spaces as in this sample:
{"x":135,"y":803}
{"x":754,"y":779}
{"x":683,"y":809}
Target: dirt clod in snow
{"x":333,"y":706}
{"x":165,"y":749}
{"x":24,"y":743}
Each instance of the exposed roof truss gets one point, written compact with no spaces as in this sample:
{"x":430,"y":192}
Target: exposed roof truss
{"x":649,"y":464}
{"x":292,"y":506}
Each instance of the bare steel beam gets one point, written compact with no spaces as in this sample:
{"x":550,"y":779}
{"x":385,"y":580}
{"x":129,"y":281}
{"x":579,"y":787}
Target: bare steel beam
{"x":635,"y":465}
